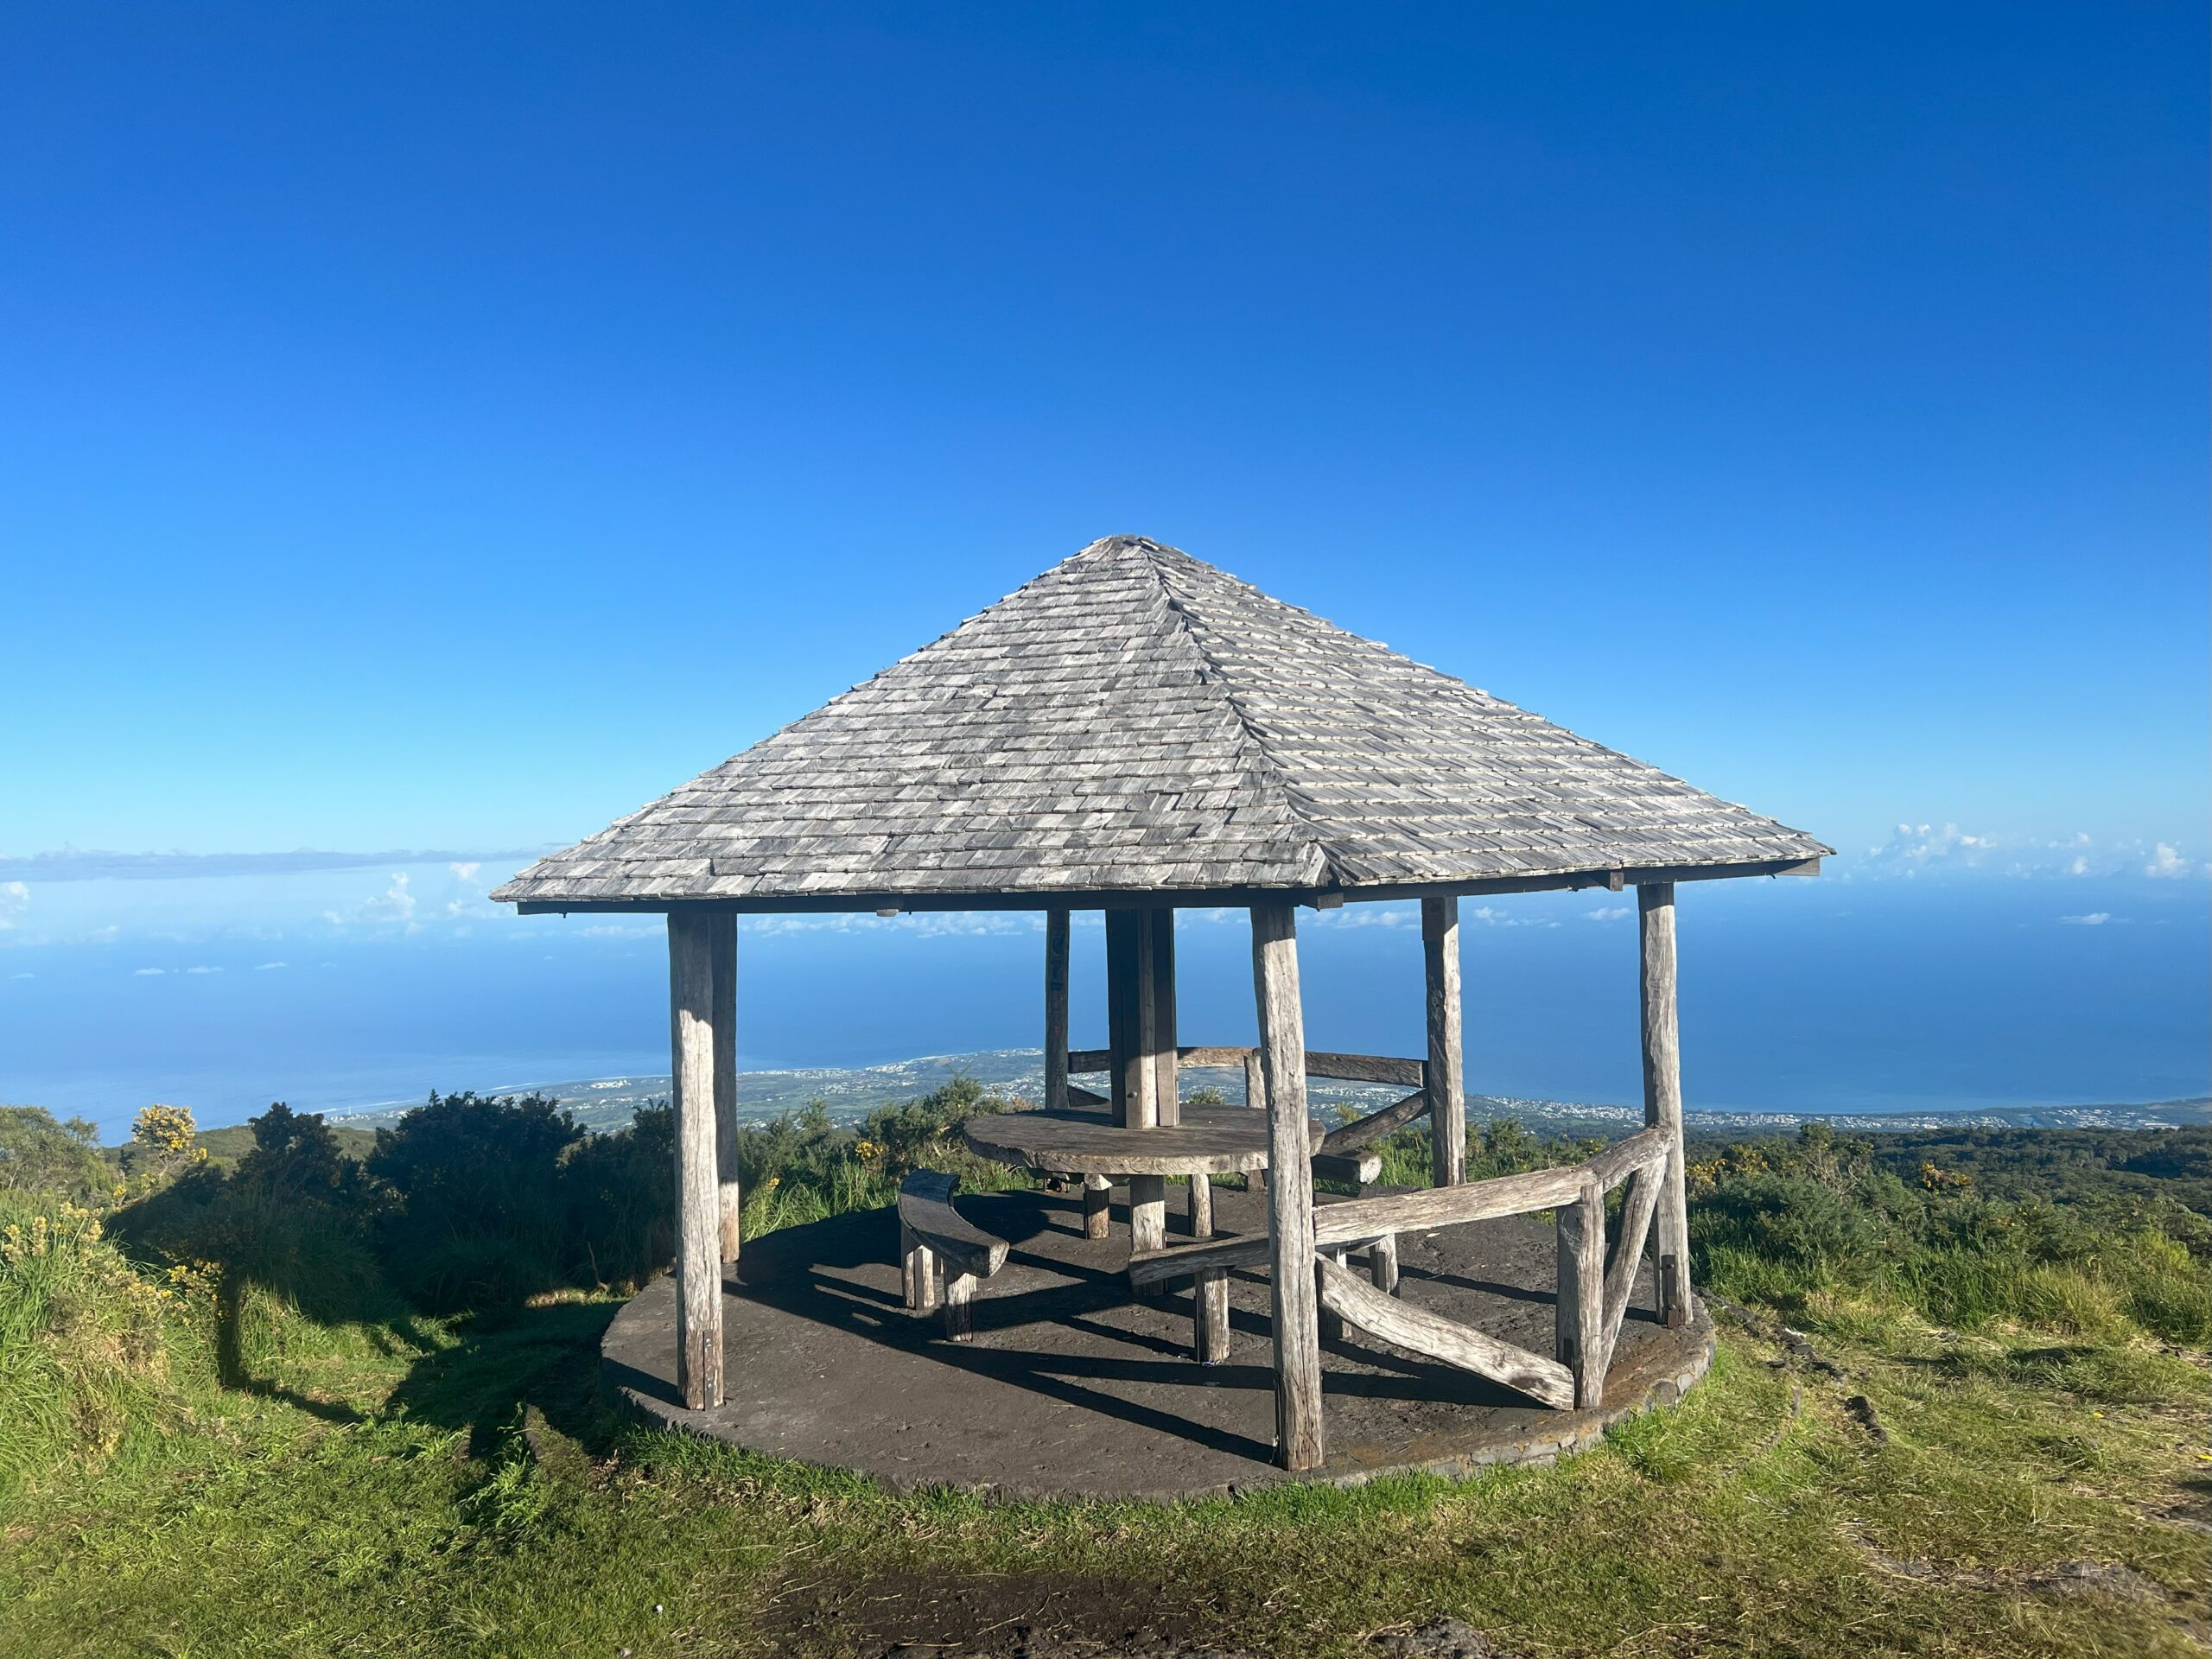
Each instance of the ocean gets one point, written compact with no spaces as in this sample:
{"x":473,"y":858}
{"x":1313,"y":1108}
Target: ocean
{"x":1829,"y":996}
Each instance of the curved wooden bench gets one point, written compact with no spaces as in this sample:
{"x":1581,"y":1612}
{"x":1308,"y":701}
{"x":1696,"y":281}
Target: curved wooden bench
{"x":942,"y":1253}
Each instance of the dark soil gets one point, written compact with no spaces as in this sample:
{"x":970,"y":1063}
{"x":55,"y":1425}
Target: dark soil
{"x":1040,"y":1615}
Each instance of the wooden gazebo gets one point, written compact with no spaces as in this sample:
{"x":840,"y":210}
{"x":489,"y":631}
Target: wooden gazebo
{"x":1137,"y":732}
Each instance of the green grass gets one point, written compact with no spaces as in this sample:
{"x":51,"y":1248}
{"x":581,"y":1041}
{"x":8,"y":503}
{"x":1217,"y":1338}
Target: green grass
{"x":2013,"y":1461}
{"x":356,"y":1492}
{"x":427,"y":1525}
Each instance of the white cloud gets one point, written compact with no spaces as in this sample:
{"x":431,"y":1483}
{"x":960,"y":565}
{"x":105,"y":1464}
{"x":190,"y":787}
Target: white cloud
{"x":23,"y":976}
{"x":1913,"y":848}
{"x":1490,"y":917}
{"x":396,"y":904}
{"x":203,"y":971}
{"x":2094,"y":919}
{"x":264,"y":966}
{"x":465,"y":871}
{"x":1369,"y":915}
{"x":1610,"y":912}
{"x":148,"y":973}
{"x":15,"y":898}
{"x":1918,"y":849}
{"x":2166,"y":861}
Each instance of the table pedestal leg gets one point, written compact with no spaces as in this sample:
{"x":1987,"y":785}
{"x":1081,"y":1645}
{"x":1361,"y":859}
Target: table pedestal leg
{"x":1097,"y":1195}
{"x":1147,"y":1212}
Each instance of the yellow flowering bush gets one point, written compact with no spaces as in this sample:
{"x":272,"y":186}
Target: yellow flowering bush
{"x":81,"y":1333}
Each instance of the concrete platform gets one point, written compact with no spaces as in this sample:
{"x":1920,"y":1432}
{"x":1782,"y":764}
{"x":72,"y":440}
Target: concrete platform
{"x":1070,"y":1388}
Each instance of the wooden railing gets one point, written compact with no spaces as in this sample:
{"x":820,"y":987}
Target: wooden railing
{"x":1594,"y":1279}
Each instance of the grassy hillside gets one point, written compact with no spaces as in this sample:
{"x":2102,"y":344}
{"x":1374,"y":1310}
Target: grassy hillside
{"x":268,"y":1448}
{"x":225,"y":1147}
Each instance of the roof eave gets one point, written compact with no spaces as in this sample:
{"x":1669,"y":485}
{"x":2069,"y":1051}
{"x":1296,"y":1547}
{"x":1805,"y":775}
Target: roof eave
{"x":1616,"y":877}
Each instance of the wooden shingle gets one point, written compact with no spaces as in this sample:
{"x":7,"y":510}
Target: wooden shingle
{"x":1136,"y":721}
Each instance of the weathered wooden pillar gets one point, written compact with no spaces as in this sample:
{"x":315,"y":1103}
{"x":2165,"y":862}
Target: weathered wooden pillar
{"x":1056,"y":1010}
{"x":1662,"y":1094}
{"x":1167,"y":1095}
{"x":721,"y":932}
{"x":1581,"y":1319}
{"x":1445,"y":1080}
{"x":1290,"y":1189}
{"x":1129,"y":1017}
{"x":1097,"y":1206}
{"x":698,"y":1196}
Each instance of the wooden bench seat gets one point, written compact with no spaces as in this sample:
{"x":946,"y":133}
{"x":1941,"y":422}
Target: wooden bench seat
{"x":943,"y":1254}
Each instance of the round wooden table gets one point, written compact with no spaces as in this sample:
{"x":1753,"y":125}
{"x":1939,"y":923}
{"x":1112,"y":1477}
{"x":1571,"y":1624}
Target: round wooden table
{"x":1210,"y":1141}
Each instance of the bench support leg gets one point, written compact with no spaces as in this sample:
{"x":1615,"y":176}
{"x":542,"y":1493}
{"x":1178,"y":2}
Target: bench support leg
{"x":1147,"y":1212}
{"x":1209,"y":1290}
{"x":919,"y":1264}
{"x":1383,"y":1264}
{"x":1332,"y":1325}
{"x":959,"y":1306}
{"x":1210,"y":1316}
{"x":1097,"y":1199}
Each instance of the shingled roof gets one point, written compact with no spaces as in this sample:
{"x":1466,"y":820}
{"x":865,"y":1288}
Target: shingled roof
{"x":1136,"y":721}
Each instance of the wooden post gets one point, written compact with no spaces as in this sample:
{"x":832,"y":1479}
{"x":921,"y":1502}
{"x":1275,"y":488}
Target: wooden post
{"x":1446,"y":1086}
{"x":1147,"y":1212}
{"x":723,"y":938}
{"x":1580,"y":1320}
{"x":698,"y":1197}
{"x":1056,"y":1010}
{"x":1209,"y":1289}
{"x":1331,"y":1325}
{"x":1383,"y":1264}
{"x":917,"y":1266}
{"x":1129,"y":1018}
{"x":1662,"y":1094}
{"x":1098,"y":1206}
{"x":1290,"y":1189}
{"x":1167,"y":1095}
{"x":959,"y":1305}
{"x":1256,"y":1094}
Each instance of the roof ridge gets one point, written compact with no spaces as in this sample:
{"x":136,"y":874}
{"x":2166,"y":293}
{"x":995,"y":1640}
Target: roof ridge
{"x":1270,"y":772}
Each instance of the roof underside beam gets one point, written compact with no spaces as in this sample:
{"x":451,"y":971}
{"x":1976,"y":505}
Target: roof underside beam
{"x":1617,"y":878}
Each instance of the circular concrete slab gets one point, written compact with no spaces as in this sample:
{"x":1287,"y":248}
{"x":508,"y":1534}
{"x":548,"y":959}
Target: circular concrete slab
{"x":1072,"y":1389}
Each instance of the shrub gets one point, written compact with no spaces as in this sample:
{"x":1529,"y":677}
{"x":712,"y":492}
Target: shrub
{"x":800,"y":1167}
{"x":476,"y":1215}
{"x":163,"y":1142}
{"x":1779,"y":1221}
{"x":619,"y":1198}
{"x":81,"y":1337}
{"x":40,"y":1156}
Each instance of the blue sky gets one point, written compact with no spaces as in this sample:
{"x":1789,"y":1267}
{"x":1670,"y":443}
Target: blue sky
{"x":449,"y":427}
